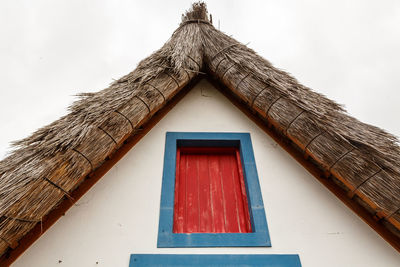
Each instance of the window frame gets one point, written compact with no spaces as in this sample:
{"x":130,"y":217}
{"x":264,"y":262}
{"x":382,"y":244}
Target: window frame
{"x":166,"y":238}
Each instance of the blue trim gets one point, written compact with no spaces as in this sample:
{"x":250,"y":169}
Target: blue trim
{"x":260,"y":235}
{"x":172,"y":260}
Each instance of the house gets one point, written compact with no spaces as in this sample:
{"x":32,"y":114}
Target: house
{"x":55,"y":166}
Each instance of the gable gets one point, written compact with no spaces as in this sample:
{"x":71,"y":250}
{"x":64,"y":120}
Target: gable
{"x":120,"y":214}
{"x":47,"y":167}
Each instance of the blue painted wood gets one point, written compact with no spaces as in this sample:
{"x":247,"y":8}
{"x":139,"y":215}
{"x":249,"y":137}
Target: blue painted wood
{"x":170,"y":260}
{"x":260,"y":235}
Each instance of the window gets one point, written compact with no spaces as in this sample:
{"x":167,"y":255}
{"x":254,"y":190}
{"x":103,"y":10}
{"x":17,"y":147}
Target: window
{"x":199,"y":169}
{"x":149,"y":260}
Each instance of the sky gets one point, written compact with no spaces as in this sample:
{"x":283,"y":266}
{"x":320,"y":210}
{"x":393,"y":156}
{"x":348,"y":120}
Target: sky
{"x":52,"y":50}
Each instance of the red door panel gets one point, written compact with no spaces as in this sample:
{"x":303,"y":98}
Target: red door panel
{"x":210,"y":195}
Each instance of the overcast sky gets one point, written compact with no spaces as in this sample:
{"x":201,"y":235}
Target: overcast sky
{"x":51,"y":50}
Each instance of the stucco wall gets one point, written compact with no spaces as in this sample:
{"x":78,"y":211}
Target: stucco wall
{"x":119,"y":215}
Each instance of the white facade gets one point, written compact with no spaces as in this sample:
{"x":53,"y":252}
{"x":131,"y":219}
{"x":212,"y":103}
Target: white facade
{"x":119,"y":215}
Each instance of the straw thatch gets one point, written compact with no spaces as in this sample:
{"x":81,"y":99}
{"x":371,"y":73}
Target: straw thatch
{"x":45,"y":167}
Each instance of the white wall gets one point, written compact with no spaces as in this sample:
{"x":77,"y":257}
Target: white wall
{"x":119,"y":215}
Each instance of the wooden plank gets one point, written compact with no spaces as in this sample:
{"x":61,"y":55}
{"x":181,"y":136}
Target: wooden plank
{"x":217,"y":194}
{"x":178,"y":211}
{"x":192,"y":197}
{"x":241,"y":260}
{"x":241,"y":217}
{"x":206,"y":218}
{"x":182,"y":193}
{"x":231,"y":214}
{"x":243,"y":194}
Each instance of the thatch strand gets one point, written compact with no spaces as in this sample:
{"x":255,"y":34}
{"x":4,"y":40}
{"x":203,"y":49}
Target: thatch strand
{"x":46,"y":166}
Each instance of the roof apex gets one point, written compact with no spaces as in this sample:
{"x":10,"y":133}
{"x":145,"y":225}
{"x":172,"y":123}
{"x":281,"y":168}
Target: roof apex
{"x":197,"y":13}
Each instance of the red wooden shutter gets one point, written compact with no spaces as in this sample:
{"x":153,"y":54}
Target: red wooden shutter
{"x":210,"y":195}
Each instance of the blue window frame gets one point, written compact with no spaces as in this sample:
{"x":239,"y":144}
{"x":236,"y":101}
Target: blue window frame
{"x":172,"y":260}
{"x":259,"y":237}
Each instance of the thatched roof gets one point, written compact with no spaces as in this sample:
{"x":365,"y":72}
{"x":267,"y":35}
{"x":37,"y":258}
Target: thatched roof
{"x":47,"y":166}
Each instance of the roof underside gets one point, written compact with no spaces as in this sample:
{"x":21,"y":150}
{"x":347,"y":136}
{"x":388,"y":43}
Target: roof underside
{"x":46,"y":167}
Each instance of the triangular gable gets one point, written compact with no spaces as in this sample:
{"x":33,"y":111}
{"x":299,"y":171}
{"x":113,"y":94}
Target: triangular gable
{"x":48,"y":166}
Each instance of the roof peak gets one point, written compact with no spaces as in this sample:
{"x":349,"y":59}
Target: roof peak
{"x":197,"y":13}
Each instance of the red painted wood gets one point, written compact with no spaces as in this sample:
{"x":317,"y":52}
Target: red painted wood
{"x":217,"y":201}
{"x":242,"y":191}
{"x":179,"y":195}
{"x":206,"y":222}
{"x":210,"y":194}
{"x":228,"y":190}
{"x":192,"y":194}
